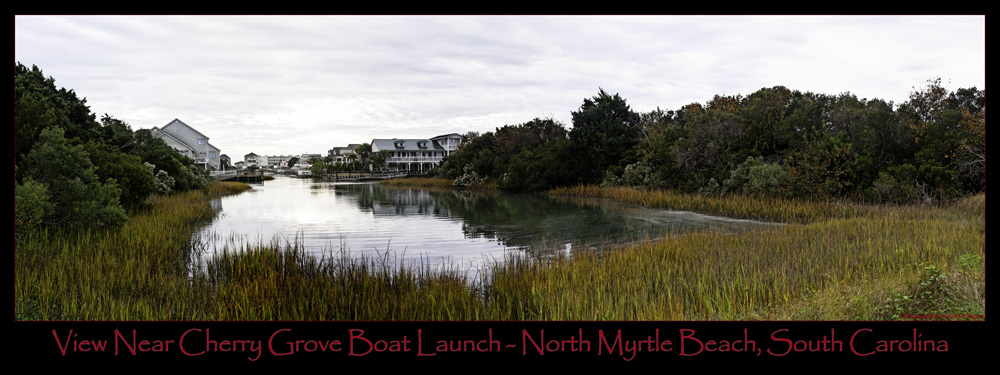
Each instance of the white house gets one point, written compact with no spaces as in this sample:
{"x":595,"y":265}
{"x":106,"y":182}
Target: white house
{"x":417,"y":155}
{"x":189,"y":142}
{"x":341,"y":154}
{"x":251,"y":159}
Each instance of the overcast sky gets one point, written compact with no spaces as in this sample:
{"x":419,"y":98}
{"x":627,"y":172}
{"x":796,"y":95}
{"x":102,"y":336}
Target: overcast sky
{"x":305,"y":84}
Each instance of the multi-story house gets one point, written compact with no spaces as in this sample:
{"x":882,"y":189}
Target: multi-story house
{"x":189,"y":142}
{"x":251,"y":159}
{"x":416,"y":155}
{"x":341,"y":154}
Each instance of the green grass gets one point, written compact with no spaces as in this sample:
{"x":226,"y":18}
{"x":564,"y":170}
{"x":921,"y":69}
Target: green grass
{"x":228,"y":187}
{"x":834,"y":261}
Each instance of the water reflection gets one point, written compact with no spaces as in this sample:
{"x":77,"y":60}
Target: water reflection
{"x":459,"y":227}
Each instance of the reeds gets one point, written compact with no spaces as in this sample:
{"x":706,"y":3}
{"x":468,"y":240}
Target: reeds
{"x":419,"y":182}
{"x":135,"y":273}
{"x":228,"y":187}
{"x":431,"y":182}
{"x":732,"y":205}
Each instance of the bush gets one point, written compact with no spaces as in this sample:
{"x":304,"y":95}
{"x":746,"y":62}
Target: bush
{"x":639,"y":174}
{"x":76,"y":195}
{"x":31,"y":205}
{"x":754,"y":176}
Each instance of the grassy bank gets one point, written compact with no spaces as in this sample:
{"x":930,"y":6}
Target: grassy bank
{"x":433,"y":182}
{"x":837,"y":261}
{"x":419,"y":182}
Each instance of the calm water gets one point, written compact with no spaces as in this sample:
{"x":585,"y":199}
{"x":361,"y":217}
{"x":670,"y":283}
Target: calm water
{"x":456,"y":228}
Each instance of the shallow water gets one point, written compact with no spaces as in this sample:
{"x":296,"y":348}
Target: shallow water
{"x":458,"y":229}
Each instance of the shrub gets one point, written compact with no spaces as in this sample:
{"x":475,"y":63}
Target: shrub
{"x":754,"y":176}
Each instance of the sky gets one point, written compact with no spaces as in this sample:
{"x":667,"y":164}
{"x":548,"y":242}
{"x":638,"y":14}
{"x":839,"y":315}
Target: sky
{"x":289,"y":85}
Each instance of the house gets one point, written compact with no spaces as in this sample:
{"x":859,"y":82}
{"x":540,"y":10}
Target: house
{"x":342,"y":154}
{"x":251,"y":159}
{"x":189,"y":142}
{"x":274,"y":161}
{"x":416,"y":155}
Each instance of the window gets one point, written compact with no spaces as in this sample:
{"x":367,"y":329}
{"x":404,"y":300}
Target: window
{"x":211,"y":154}
{"x":201,"y":141}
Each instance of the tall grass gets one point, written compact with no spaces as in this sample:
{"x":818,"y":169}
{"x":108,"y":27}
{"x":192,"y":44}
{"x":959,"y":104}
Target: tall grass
{"x":228,"y":187}
{"x":732,"y":205}
{"x":134,"y":273}
{"x":419,"y":182}
{"x":838,"y":261}
{"x":431,"y":182}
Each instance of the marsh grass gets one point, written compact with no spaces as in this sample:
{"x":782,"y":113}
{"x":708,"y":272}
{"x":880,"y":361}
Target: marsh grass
{"x":228,"y":187}
{"x":432,"y":182}
{"x":836,"y":261}
{"x":418,"y":182}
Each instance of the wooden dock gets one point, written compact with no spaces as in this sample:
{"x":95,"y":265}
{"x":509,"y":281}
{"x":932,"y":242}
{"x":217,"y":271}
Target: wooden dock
{"x":245,"y":177}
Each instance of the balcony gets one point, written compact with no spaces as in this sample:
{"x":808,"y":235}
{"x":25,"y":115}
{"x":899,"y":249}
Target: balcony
{"x":414,"y":159}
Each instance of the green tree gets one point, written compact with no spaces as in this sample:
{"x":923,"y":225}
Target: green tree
{"x":604,"y":129}
{"x":823,"y":169}
{"x":69,"y":111}
{"x":318,"y":167}
{"x":547,"y":166}
{"x":31,"y":115}
{"x":31,"y":206}
{"x":186,"y":174}
{"x":378,"y":159}
{"x":73,"y":189}
{"x":128,"y":171}
{"x":754,"y":176}
{"x":364,"y":151}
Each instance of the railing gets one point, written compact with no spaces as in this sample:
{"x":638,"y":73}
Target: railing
{"x":414,"y":159}
{"x":225,"y":175}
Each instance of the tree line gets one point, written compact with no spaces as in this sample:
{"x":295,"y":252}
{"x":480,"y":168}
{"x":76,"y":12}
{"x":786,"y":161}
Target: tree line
{"x":775,"y":141}
{"x":73,"y":170}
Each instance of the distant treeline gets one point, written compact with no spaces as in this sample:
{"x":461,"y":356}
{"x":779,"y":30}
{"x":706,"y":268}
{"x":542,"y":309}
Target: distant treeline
{"x":71,"y":170}
{"x":775,"y":141}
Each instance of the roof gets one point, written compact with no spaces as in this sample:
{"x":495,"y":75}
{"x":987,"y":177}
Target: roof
{"x":176,"y":122}
{"x":165,"y":134}
{"x":405,"y":144}
{"x":452,"y":135}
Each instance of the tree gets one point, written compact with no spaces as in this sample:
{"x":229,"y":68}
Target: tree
{"x":972,"y":151}
{"x":131,"y":176}
{"x":363,"y":151}
{"x":763,"y":115}
{"x":77,"y":197}
{"x":604,"y":128}
{"x":318,"y":167}
{"x":378,"y":159}
{"x":69,"y":111}
{"x":823,"y":169}
{"x":181,"y":168}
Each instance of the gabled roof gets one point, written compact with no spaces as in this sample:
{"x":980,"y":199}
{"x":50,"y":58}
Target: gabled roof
{"x":406,"y":144}
{"x":165,"y":134}
{"x":179,"y":123}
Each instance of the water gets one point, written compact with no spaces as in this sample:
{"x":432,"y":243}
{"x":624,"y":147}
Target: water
{"x":456,"y":229}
